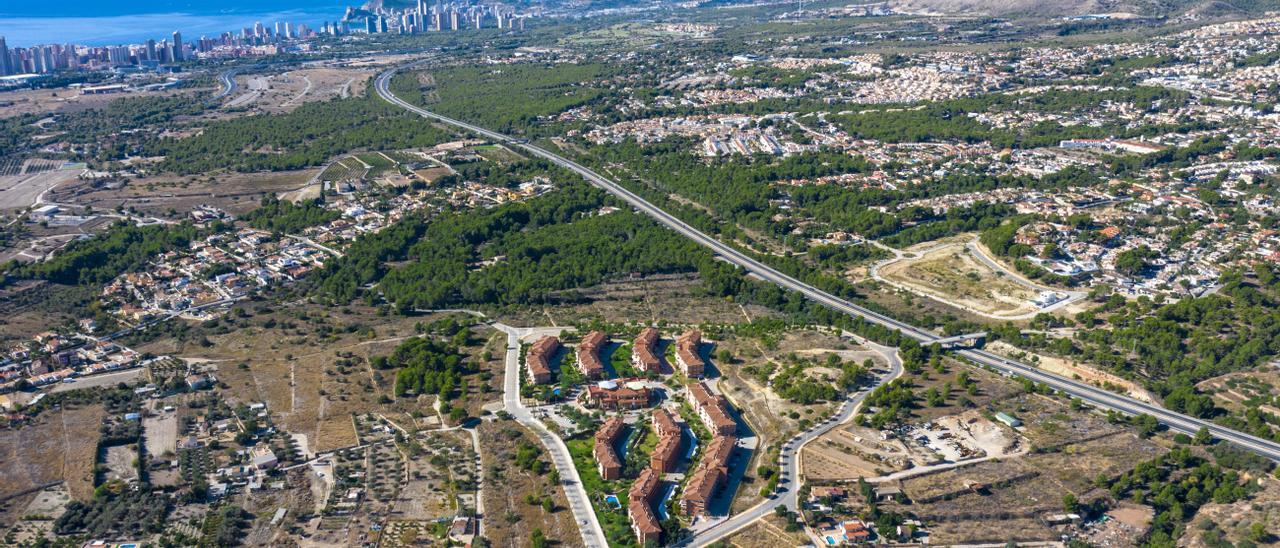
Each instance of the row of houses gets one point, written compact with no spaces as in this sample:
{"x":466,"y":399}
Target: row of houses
{"x":663,"y":459}
{"x":538,"y":360}
{"x":713,"y":469}
{"x":640,"y":508}
{"x":667,"y":453}
{"x":687,"y":355}
{"x":606,"y":440}
{"x":644,"y":355}
{"x":708,"y":477}
{"x":643,"y":352}
{"x":589,"y":355}
{"x":713,"y":409}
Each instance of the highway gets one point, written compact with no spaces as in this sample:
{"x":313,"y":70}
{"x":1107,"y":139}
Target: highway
{"x":228,"y":80}
{"x":1090,"y":394}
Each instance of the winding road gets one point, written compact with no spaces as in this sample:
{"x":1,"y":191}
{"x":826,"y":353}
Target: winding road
{"x":579,"y":502}
{"x":789,"y":458}
{"x":1088,"y":393}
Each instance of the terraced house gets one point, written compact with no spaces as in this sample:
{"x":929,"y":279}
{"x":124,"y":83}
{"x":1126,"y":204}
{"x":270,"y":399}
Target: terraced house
{"x":667,"y":453}
{"x":713,"y":409}
{"x":607,"y":460}
{"x":687,"y":356}
{"x":644,"y":354}
{"x":538,"y":359}
{"x":589,"y":354}
{"x":640,"y":509}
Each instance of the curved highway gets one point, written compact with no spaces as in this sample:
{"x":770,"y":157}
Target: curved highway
{"x":228,"y":79}
{"x":1091,"y":394}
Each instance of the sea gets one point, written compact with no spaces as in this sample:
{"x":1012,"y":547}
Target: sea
{"x":111,"y":22}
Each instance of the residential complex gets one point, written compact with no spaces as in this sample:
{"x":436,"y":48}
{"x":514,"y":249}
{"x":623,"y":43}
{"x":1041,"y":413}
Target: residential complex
{"x":589,"y":355}
{"x":606,"y":439}
{"x":538,"y":359}
{"x":688,"y":355}
{"x":644,"y":353}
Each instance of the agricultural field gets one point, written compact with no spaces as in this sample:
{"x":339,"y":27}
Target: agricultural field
{"x":310,"y":365}
{"x":174,"y":195}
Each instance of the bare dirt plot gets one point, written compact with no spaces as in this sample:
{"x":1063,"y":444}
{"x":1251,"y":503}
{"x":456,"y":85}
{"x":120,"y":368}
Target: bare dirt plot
{"x":59,"y":446}
{"x":851,"y":452}
{"x":276,"y":93}
{"x":234,"y":192}
{"x":119,"y":463}
{"x":32,"y":516}
{"x":767,"y":532}
{"x":508,"y":518}
{"x":161,"y":435}
{"x":949,"y":272}
{"x":62,"y":101}
{"x":431,"y":174}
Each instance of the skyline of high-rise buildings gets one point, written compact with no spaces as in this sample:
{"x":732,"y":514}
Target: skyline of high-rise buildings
{"x":257,"y":39}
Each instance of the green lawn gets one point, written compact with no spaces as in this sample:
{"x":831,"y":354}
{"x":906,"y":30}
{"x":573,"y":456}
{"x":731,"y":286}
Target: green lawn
{"x":616,"y":525}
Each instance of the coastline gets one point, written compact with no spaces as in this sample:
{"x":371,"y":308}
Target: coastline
{"x":135,"y":29}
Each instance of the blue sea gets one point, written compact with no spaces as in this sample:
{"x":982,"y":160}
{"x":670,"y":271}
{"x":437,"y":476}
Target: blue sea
{"x":107,"y":22}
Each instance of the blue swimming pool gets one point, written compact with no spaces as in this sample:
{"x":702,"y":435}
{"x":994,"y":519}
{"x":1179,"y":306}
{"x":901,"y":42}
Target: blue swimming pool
{"x":831,"y":541}
{"x":612,"y":501}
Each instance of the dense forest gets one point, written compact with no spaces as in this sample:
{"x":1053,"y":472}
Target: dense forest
{"x":426,"y":366}
{"x":96,"y":260}
{"x":503,"y":98}
{"x":533,"y":252}
{"x":286,"y":217}
{"x":308,"y":136}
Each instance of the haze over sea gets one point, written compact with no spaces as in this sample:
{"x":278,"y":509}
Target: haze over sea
{"x":106,"y":22}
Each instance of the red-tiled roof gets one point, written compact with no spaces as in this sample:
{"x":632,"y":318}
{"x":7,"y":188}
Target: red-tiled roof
{"x":589,"y":354}
{"x":644,"y":347}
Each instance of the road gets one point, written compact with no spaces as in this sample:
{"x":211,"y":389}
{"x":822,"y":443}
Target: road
{"x":228,"y":79}
{"x":975,"y":248}
{"x":789,"y":462}
{"x":978,"y":254}
{"x":579,"y":502}
{"x":1088,"y":393}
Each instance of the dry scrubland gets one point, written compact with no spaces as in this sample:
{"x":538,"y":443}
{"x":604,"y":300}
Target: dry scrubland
{"x":509,"y":518}
{"x":59,"y":447}
{"x":675,"y":298}
{"x":952,"y":273}
{"x":283,"y":92}
{"x":301,"y":376}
